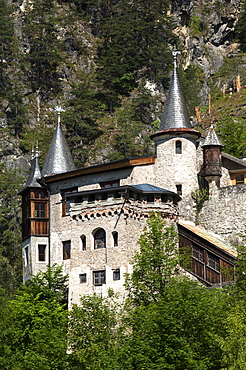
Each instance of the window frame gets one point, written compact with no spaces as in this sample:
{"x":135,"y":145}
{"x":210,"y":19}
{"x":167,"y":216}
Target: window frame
{"x":116,"y":274}
{"x":97,"y":238}
{"x":82,"y":278}
{"x":213,"y":262}
{"x":83,"y":242}
{"x":66,"y":251}
{"x":115,"y":236}
{"x":100,"y":279}
{"x":178,"y":147}
{"x":42,"y":254}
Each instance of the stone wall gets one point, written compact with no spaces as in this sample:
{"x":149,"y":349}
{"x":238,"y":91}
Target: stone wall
{"x":225,"y":213}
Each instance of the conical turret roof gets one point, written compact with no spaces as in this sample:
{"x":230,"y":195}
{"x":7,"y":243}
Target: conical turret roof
{"x":175,"y":114}
{"x":59,"y":158}
{"x":212,"y":138}
{"x":35,"y":173}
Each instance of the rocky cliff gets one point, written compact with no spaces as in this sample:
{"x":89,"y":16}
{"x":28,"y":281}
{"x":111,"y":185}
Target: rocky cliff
{"x":206,"y":36}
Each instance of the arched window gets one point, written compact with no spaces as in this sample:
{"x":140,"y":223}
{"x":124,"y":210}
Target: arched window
{"x":99,"y":239}
{"x":178,"y":147}
{"x":83,"y":242}
{"x":115,"y":237}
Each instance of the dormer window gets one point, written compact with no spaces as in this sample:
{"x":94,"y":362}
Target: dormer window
{"x":178,"y":147}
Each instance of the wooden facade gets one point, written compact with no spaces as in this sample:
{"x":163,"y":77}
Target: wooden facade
{"x":35,"y":212}
{"x":210,"y":263}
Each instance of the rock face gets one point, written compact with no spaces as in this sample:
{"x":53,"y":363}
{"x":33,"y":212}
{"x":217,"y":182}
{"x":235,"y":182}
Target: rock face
{"x":205,"y":28}
{"x":207,"y":31}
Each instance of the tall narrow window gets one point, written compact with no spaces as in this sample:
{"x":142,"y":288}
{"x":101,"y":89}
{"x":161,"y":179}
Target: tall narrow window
{"x":178,"y":147}
{"x":213,"y":262}
{"x":66,"y":249}
{"x":83,"y":242}
{"x":179,"y":189}
{"x":99,"y":239}
{"x":41,"y":252}
{"x":26,"y":253}
{"x":115,"y":238}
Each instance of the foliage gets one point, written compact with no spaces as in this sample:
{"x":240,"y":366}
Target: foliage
{"x":84,"y":111}
{"x":33,"y":334}
{"x":156,"y":263}
{"x":232,"y":133}
{"x":10,"y":232}
{"x":192,"y":80}
{"x":177,"y":332}
{"x":241,"y":28}
{"x":49,"y":285}
{"x":44,"y":48}
{"x":92,"y":333}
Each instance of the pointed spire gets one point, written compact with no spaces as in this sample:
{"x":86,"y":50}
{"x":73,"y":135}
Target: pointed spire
{"x":175,"y":112}
{"x":59,"y":158}
{"x":212,"y":138}
{"x":35,"y":173}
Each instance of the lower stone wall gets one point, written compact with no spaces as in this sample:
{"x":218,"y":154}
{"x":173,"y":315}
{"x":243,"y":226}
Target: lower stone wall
{"x":225,"y":213}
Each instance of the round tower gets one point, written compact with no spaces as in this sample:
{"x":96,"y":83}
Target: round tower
{"x":176,"y":143}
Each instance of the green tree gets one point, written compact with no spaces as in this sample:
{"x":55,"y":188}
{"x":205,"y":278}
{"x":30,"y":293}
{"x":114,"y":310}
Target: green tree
{"x":179,"y":331}
{"x":49,"y":285}
{"x":33,"y":334}
{"x":92,"y":333}
{"x":10,"y":231}
{"x":43,"y":47}
{"x":156,"y":263}
{"x":241,"y":28}
{"x":233,"y":136}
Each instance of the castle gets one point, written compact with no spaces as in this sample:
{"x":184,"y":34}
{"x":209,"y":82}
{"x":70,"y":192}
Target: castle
{"x":90,"y":219}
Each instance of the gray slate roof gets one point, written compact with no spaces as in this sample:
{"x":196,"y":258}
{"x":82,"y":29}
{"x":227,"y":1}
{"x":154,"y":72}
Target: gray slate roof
{"x":212,"y":138}
{"x":59,"y":158}
{"x":35,"y":174}
{"x":175,"y":112}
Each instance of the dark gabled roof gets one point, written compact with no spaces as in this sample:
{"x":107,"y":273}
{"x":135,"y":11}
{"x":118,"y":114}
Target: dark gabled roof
{"x":147,"y":188}
{"x":233,"y":163}
{"x":59,"y":159}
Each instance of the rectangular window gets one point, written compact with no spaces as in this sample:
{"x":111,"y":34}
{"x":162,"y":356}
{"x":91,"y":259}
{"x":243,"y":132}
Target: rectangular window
{"x":66,"y":249}
{"x":41,"y":252}
{"x":116,"y":274}
{"x":213,"y":262}
{"x":26,"y":253}
{"x":40,"y":210}
{"x":99,"y":277}
{"x":198,"y":253}
{"x":82,"y":278}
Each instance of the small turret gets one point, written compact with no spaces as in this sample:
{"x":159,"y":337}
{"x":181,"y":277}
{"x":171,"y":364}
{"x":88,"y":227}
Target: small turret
{"x":35,"y":173}
{"x":59,"y":158}
{"x":212,"y":156}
